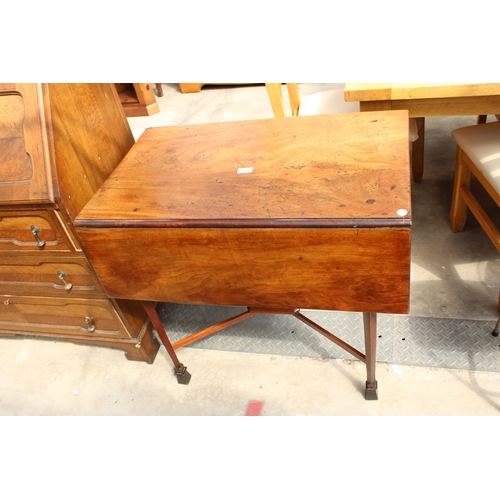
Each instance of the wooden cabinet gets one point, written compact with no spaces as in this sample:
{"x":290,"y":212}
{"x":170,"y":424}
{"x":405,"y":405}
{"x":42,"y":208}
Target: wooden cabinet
{"x":25,"y":165}
{"x":138,"y":99}
{"x":58,"y":144}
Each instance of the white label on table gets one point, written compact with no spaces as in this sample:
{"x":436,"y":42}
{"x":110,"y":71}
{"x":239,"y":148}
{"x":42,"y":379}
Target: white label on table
{"x":245,"y":170}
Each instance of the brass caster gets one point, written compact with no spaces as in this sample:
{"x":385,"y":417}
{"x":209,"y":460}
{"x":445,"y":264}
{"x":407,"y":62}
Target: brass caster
{"x":183,"y":376}
{"x":371,"y":392}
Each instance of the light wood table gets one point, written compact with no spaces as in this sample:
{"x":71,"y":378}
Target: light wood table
{"x":271,"y":214}
{"x":423,"y":100}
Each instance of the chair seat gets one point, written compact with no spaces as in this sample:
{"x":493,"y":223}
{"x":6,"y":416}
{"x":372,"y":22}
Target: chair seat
{"x":413,"y":130}
{"x":332,"y":101}
{"x":481,"y":143}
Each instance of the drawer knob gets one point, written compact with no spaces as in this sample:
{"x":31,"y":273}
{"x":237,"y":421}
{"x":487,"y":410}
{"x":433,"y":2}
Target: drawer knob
{"x":90,"y":326}
{"x":34,"y":231}
{"x":62,"y":276}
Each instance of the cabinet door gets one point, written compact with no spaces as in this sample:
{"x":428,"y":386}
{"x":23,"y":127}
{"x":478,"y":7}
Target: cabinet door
{"x":25,"y":169}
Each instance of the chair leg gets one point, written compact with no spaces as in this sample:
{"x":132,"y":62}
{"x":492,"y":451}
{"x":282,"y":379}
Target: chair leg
{"x":276,"y":99}
{"x":458,"y":212}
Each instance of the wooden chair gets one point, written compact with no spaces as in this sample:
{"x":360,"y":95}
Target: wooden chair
{"x":325,"y":102}
{"x":478,"y":155}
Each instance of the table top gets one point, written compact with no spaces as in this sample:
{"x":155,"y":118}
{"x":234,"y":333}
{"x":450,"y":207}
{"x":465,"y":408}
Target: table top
{"x":399,"y":91}
{"x":312,"y":171}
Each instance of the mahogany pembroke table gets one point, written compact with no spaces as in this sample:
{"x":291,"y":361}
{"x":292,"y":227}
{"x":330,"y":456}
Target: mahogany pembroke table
{"x":275,"y":215}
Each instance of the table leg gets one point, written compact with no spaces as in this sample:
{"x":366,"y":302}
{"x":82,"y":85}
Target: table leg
{"x":417,"y":151}
{"x":180,"y":371}
{"x":370,"y":328}
{"x":496,"y":330}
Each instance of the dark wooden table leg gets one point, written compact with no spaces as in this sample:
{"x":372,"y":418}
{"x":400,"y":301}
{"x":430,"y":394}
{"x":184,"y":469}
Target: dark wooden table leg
{"x":370,"y":328}
{"x":180,"y":371}
{"x":417,"y":151}
{"x":496,"y":330}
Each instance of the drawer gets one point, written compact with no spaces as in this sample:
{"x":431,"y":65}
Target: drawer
{"x":39,"y":230}
{"x":78,"y":318}
{"x":48,"y":274}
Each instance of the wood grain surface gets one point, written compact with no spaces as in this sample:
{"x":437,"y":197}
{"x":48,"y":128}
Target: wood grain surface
{"x":427,"y":99}
{"x":315,"y":168}
{"x":178,"y":222}
{"x":333,"y":269}
{"x":396,"y":91}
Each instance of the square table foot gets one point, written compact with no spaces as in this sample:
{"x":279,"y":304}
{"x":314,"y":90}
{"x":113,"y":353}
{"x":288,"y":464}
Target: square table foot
{"x":371,"y":393}
{"x":496,"y":330}
{"x":183,"y":376}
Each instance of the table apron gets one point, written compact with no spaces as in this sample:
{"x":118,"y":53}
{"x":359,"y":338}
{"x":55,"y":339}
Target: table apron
{"x":346,"y":269}
{"x":451,"y":106}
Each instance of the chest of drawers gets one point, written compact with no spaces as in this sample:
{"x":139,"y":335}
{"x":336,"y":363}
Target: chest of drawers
{"x":58,"y":144}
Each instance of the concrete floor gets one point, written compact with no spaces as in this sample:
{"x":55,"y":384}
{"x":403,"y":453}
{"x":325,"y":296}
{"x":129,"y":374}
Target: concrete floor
{"x":42,"y":377}
{"x":453,"y":276}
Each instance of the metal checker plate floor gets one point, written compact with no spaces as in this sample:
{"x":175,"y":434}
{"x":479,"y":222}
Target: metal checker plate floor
{"x":404,"y":340}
